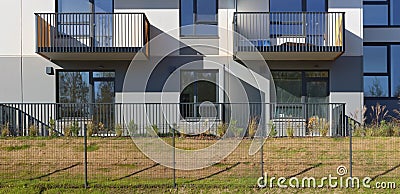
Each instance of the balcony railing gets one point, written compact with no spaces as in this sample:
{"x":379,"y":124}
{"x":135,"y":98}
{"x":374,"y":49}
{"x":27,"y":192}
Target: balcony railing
{"x":91,"y":32}
{"x":289,"y":32}
{"x":59,"y":119}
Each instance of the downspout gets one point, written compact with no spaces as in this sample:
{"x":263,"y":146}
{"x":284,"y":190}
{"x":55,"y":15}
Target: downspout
{"x":21,"y":58}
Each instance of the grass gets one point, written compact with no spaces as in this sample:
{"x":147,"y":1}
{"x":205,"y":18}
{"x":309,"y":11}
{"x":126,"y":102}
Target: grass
{"x":17,"y":147}
{"x":55,"y":165}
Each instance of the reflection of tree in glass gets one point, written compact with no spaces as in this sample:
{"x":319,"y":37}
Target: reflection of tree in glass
{"x":73,"y":88}
{"x":105,"y":92}
{"x":375,"y":90}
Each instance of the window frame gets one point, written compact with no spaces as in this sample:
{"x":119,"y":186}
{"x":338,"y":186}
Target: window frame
{"x":194,"y":35}
{"x":388,"y":72}
{"x":389,"y":10}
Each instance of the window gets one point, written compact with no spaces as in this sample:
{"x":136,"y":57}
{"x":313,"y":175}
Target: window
{"x":85,"y":87}
{"x":301,"y":86}
{"x":376,"y":86}
{"x":298,"y":5}
{"x":375,"y":59}
{"x":381,"y":70}
{"x":199,"y":17}
{"x":375,"y":15}
{"x":85,"y":6}
{"x":81,"y":24}
{"x":76,"y":89}
{"x":395,"y":12}
{"x":381,"y":12}
{"x":395,"y":69}
{"x":197,"y":87}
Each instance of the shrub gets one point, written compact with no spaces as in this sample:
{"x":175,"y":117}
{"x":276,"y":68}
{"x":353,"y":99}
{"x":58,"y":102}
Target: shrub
{"x":324,"y":129}
{"x":75,"y":128}
{"x":313,"y":124}
{"x":358,"y":132}
{"x":90,"y":129}
{"x":378,"y":114}
{"x":252,"y":127}
{"x":118,"y":130}
{"x":52,"y":128}
{"x":272,"y":132}
{"x":5,"y":130}
{"x":152,"y":127}
{"x":33,"y":131}
{"x":221,"y":129}
{"x":132,"y":128}
{"x":67,"y":131}
{"x":290,"y":131}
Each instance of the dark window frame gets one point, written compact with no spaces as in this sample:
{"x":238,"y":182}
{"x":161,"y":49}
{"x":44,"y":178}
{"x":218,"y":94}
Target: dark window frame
{"x":387,"y":3}
{"x":91,"y":80}
{"x":195,"y":22}
{"x":388,"y":72}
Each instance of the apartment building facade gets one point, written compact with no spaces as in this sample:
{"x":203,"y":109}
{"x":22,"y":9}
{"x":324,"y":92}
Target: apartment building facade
{"x":81,"y":51}
{"x":382,"y":53}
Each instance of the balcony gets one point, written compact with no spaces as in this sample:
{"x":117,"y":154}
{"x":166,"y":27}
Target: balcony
{"x":289,"y":35}
{"x":92,"y":36}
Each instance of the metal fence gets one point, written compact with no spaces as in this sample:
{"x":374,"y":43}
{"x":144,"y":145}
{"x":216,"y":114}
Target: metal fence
{"x":86,"y":144}
{"x":289,"y":31}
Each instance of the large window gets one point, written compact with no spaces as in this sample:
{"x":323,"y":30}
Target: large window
{"x":85,"y":6}
{"x":298,"y":5}
{"x":85,"y":86}
{"x":381,"y":70}
{"x":197,"y":87}
{"x":382,"y":13}
{"x":301,"y":86}
{"x":199,"y":17}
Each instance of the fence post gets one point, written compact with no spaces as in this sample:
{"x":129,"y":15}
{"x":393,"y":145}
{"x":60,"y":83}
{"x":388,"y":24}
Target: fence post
{"x":350,"y":152}
{"x":85,"y":157}
{"x":173,"y":155}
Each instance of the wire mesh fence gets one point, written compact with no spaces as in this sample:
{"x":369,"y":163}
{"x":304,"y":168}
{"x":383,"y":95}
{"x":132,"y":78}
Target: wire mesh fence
{"x":98,"y":147}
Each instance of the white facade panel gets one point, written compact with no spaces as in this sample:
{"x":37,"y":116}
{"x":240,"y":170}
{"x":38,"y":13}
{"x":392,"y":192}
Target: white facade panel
{"x":10,"y":14}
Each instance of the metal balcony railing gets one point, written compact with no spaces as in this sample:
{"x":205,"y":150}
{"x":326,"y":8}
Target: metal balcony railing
{"x":289,"y":31}
{"x":303,"y":119}
{"x":91,"y":32}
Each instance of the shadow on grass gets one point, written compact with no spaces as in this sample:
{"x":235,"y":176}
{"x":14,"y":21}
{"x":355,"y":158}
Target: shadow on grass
{"x":137,"y":172}
{"x":216,"y":173}
{"x":383,"y":173}
{"x":305,"y":170}
{"x":56,"y":171}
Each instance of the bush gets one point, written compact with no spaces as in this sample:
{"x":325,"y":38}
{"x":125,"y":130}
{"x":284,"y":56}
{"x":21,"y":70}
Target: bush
{"x":90,"y":129}
{"x":75,"y":128}
{"x":152,"y":127}
{"x":52,"y":128}
{"x":324,"y":128}
{"x":67,"y":131}
{"x":221,"y":129}
{"x":33,"y":131}
{"x":132,"y":128}
{"x":118,"y":130}
{"x":272,"y":132}
{"x":290,"y":131}
{"x":252,"y":127}
{"x":5,"y":130}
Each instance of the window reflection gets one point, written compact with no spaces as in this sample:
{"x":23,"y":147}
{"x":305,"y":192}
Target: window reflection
{"x":376,"y":86}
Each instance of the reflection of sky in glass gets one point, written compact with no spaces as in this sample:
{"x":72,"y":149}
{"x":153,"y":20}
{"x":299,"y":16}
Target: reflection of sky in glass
{"x":74,"y":6}
{"x":395,"y":70}
{"x":395,"y":12}
{"x":371,"y":82}
{"x":375,"y":59}
{"x":375,"y":15}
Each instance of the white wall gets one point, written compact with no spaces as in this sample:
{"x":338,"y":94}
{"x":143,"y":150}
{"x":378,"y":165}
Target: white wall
{"x":10,"y":14}
{"x":353,"y":24}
